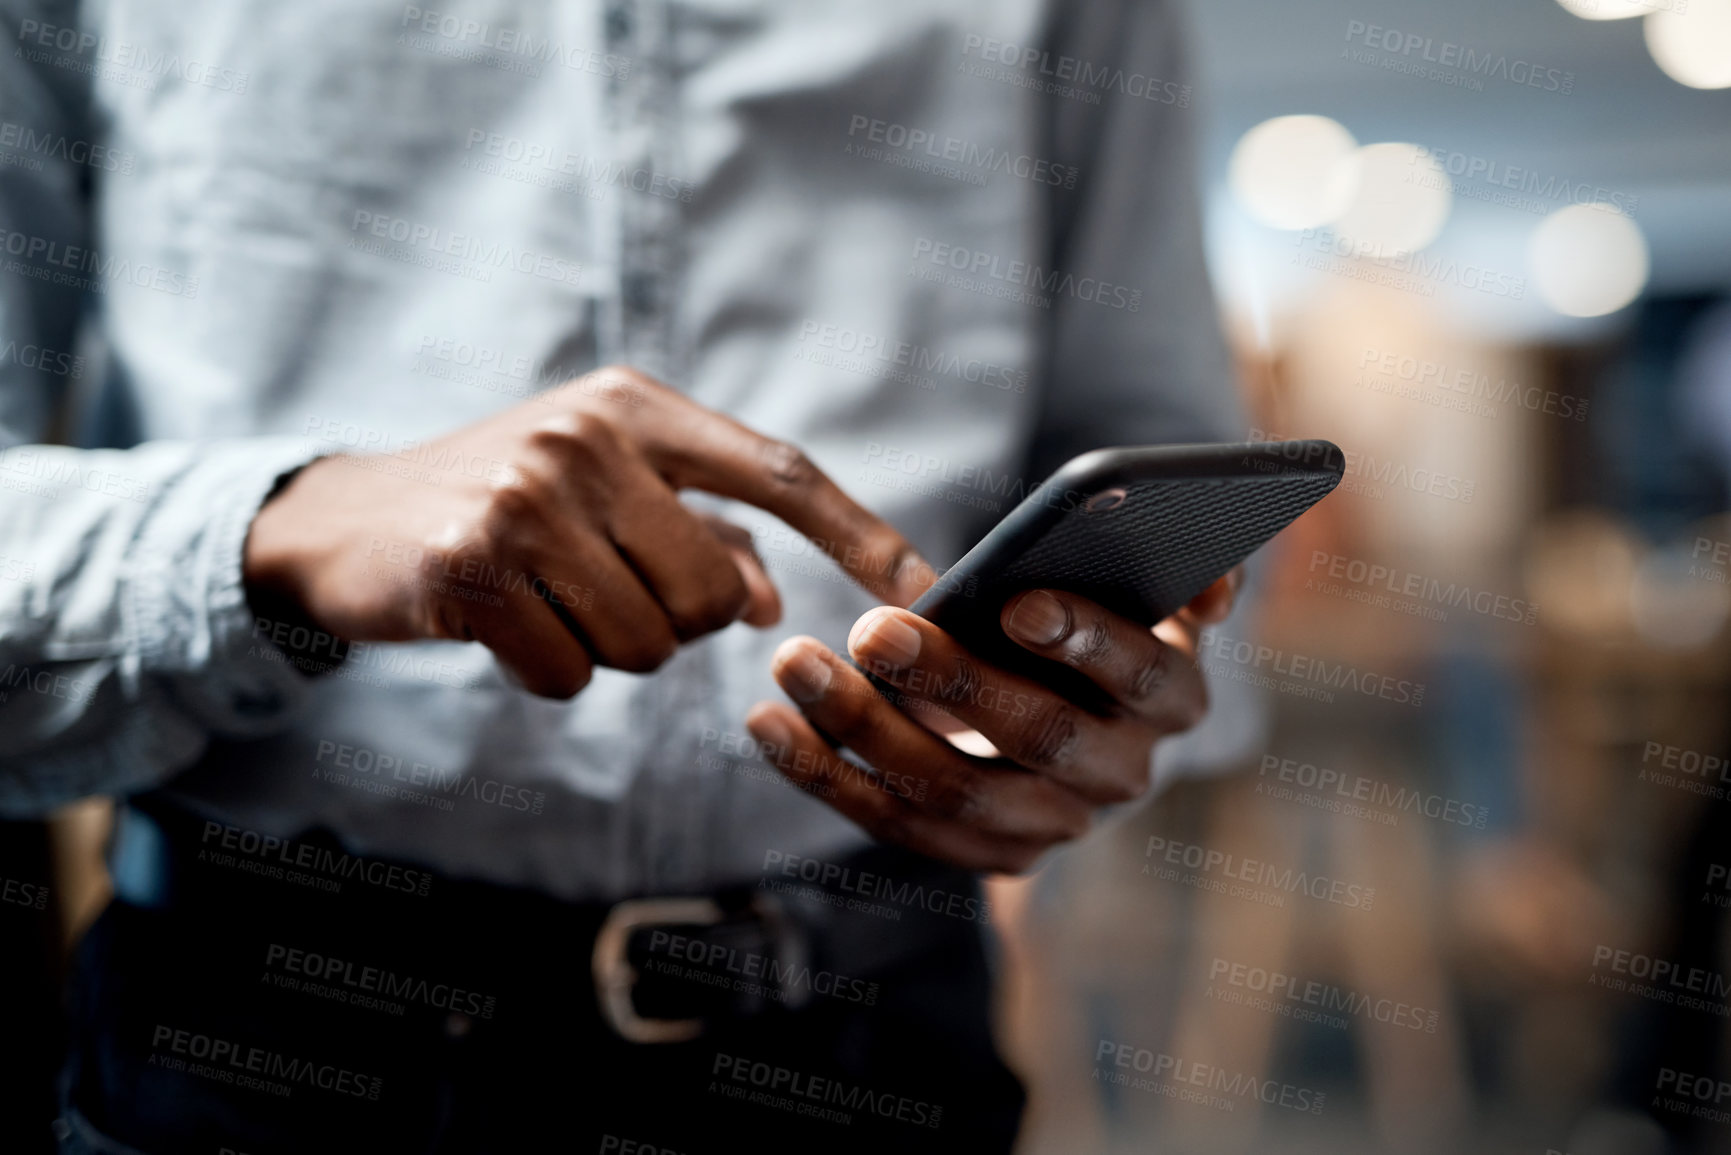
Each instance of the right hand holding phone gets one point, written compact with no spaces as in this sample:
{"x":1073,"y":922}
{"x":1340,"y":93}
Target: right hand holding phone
{"x":1056,"y":762}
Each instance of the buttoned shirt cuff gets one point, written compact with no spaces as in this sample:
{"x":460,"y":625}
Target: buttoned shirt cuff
{"x":188,"y":612}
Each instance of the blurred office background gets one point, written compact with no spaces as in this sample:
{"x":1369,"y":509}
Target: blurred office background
{"x":1502,"y":287}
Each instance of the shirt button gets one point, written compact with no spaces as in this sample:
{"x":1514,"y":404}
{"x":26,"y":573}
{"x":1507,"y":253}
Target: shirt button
{"x":640,"y":293}
{"x":618,"y":22}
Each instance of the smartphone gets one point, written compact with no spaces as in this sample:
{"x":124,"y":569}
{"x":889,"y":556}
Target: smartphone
{"x":1140,"y":530}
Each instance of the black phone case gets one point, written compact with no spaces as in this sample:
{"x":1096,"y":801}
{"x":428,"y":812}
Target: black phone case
{"x":1141,"y":531}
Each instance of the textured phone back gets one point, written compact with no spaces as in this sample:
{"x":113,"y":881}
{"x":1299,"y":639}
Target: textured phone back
{"x":1145,"y":557}
{"x":1166,"y":542}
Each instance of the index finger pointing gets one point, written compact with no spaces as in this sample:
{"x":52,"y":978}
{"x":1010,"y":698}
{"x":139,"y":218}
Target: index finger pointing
{"x":705,"y":450}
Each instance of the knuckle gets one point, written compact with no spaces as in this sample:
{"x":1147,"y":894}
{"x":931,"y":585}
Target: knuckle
{"x":717,"y":607}
{"x":963,"y":684}
{"x":527,"y":498}
{"x":628,"y":375}
{"x":958,"y":798}
{"x":788,"y":466}
{"x":644,"y":651}
{"x":444,"y":619}
{"x":855,"y":717}
{"x":1047,"y":736}
{"x":1148,"y":675}
{"x":575,"y":435}
{"x":892,"y":824}
{"x":1091,"y":644}
{"x":563,"y":683}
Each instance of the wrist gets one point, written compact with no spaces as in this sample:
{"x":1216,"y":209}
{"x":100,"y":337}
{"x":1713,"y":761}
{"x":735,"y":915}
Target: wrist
{"x":275,"y":570}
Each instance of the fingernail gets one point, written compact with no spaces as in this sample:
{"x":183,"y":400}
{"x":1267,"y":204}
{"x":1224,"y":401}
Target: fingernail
{"x":1039,"y":619}
{"x":805,"y":676}
{"x":880,"y":636}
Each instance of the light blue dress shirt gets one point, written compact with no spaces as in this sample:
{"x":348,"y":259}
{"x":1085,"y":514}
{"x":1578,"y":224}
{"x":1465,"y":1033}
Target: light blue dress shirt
{"x":941,"y":245}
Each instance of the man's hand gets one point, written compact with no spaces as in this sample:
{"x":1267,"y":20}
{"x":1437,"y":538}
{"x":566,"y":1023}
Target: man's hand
{"x":1059,"y":762}
{"x":552,"y":533}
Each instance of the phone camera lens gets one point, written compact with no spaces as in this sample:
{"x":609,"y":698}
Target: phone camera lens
{"x":1106,"y":499}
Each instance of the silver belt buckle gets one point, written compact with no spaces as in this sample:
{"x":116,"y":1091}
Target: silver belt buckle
{"x":616,"y":978}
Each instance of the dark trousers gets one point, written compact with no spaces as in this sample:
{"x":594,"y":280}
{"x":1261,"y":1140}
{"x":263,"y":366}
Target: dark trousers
{"x":252,"y":1018}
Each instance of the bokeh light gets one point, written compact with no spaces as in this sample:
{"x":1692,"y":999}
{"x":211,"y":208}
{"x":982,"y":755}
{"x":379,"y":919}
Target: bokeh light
{"x":1588,"y":260}
{"x":1293,"y":172}
{"x":1692,"y":42}
{"x":1610,"y":9}
{"x":1400,"y":201}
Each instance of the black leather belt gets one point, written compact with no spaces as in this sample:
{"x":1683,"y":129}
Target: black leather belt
{"x":663,"y":966}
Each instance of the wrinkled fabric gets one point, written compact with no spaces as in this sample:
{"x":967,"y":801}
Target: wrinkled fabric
{"x":940,"y":245}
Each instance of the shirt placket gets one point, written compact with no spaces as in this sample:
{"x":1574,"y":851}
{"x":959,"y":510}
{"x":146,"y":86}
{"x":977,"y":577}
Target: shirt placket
{"x":643,"y":106}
